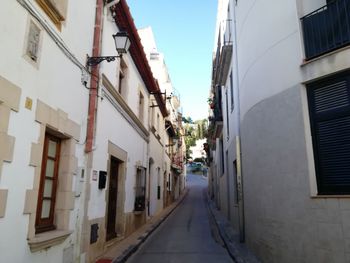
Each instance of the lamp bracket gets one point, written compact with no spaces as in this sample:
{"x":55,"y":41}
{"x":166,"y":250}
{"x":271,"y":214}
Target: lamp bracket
{"x":93,"y":61}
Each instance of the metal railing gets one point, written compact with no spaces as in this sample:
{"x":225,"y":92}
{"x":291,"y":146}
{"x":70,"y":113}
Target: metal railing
{"x":326,"y":29}
{"x":217,"y":108}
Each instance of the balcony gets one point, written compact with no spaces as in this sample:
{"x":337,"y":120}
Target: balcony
{"x":224,"y":64}
{"x":216,"y":123}
{"x":177,"y":163}
{"x":326,"y":29}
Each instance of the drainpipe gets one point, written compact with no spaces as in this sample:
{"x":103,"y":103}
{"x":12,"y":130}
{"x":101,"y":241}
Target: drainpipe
{"x":238,"y":143}
{"x":96,"y":50}
{"x":150,"y":165}
{"x":92,"y":110}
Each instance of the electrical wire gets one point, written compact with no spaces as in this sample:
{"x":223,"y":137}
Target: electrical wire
{"x":26,"y":4}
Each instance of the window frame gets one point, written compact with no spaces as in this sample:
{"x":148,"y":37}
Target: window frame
{"x":33,"y":42}
{"x":227,"y":117}
{"x":231,"y":92}
{"x":55,"y":16}
{"x":47,"y":224}
{"x":315,"y":119}
{"x":122,"y":77}
{"x":235,"y":197}
{"x":222,"y":158}
{"x":141,"y":106}
{"x":140,"y":189}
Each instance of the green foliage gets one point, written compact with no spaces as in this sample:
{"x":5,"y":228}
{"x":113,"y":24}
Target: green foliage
{"x":187,"y":120}
{"x":194,"y":130}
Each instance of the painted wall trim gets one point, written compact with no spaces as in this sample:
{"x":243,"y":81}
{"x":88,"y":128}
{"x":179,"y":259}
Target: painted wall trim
{"x":118,"y":102}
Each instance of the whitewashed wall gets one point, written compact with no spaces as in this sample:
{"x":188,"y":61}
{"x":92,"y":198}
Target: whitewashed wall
{"x":56,"y":82}
{"x":284,"y":223}
{"x":112,"y":126}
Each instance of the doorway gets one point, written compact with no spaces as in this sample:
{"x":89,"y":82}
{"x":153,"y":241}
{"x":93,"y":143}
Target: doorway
{"x":112,"y":198}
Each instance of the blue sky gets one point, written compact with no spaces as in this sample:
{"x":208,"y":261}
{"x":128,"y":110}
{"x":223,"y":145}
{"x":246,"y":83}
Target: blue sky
{"x":184,"y":33}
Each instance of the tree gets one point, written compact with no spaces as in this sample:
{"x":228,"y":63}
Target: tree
{"x":194,"y":130}
{"x":187,"y":120}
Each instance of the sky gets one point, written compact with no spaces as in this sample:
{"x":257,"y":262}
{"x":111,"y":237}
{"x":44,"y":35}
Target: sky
{"x":184,"y":32}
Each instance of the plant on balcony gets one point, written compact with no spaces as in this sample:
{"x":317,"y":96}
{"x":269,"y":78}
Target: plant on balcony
{"x":211,"y":103}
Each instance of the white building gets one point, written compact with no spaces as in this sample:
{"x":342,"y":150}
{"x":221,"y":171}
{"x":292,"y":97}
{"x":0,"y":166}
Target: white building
{"x":43,"y":116}
{"x":174,"y":174}
{"x":78,"y":155}
{"x":280,"y":152}
{"x":125,"y":174}
{"x":198,"y":150}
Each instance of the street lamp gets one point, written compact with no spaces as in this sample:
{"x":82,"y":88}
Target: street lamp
{"x":122,"y":44}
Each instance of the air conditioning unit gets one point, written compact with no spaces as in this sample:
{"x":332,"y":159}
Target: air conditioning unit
{"x":109,"y":3}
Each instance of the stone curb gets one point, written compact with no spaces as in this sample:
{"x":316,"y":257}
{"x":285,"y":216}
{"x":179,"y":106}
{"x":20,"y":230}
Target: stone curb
{"x":133,"y":248}
{"x":238,"y":251}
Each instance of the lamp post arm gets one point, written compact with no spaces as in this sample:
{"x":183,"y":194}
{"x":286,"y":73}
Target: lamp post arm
{"x":93,"y":61}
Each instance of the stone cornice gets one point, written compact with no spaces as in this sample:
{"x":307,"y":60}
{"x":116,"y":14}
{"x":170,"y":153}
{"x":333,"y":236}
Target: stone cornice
{"x":124,"y":108}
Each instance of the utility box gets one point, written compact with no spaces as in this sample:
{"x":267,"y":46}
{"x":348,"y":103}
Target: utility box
{"x":102,"y":177}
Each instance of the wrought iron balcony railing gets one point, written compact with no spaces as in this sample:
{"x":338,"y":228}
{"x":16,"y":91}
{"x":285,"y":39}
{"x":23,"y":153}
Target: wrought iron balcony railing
{"x":217,"y":108}
{"x":140,"y":203}
{"x":327,"y":28}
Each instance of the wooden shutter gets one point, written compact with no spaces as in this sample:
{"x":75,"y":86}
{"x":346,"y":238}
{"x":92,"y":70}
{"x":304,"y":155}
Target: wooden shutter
{"x":329,"y":106}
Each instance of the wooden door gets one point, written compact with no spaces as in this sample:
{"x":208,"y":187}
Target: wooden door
{"x":112,"y":199}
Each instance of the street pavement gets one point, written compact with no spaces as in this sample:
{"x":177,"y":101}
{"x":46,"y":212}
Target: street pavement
{"x":187,"y":235}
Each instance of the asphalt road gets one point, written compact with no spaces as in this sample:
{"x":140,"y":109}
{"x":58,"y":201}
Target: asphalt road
{"x":187,"y":235}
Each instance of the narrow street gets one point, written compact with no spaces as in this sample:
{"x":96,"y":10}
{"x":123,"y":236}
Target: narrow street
{"x":186,"y":236}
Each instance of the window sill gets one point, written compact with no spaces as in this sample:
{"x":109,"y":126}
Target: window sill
{"x":48,"y":239}
{"x":329,"y":196}
{"x":138,"y":212}
{"x":306,"y":62}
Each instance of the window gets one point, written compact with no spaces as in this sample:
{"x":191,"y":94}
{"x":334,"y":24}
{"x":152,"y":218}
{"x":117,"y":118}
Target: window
{"x":152,"y":116}
{"x":231,"y":91}
{"x":140,"y":189}
{"x":122,"y":77}
{"x":48,"y":184}
{"x":141,"y":106}
{"x":56,"y":10}
{"x":158,"y":122}
{"x":158,"y":183}
{"x":227,"y":118}
{"x":235,"y":181}
{"x":32,"y":48}
{"x":169,"y":183}
{"x":329,"y":107}
{"x":222,"y":157}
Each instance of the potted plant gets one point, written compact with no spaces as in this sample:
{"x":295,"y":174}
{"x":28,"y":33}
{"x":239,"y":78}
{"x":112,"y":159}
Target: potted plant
{"x":211,"y":103}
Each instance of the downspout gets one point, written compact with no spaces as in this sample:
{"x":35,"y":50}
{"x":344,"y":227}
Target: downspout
{"x":91,"y":121}
{"x":148,"y":191}
{"x":96,"y":50}
{"x":238,"y":143}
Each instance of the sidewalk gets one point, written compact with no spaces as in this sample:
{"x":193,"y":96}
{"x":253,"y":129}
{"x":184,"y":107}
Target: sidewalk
{"x":238,"y":251}
{"x":123,"y":249}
